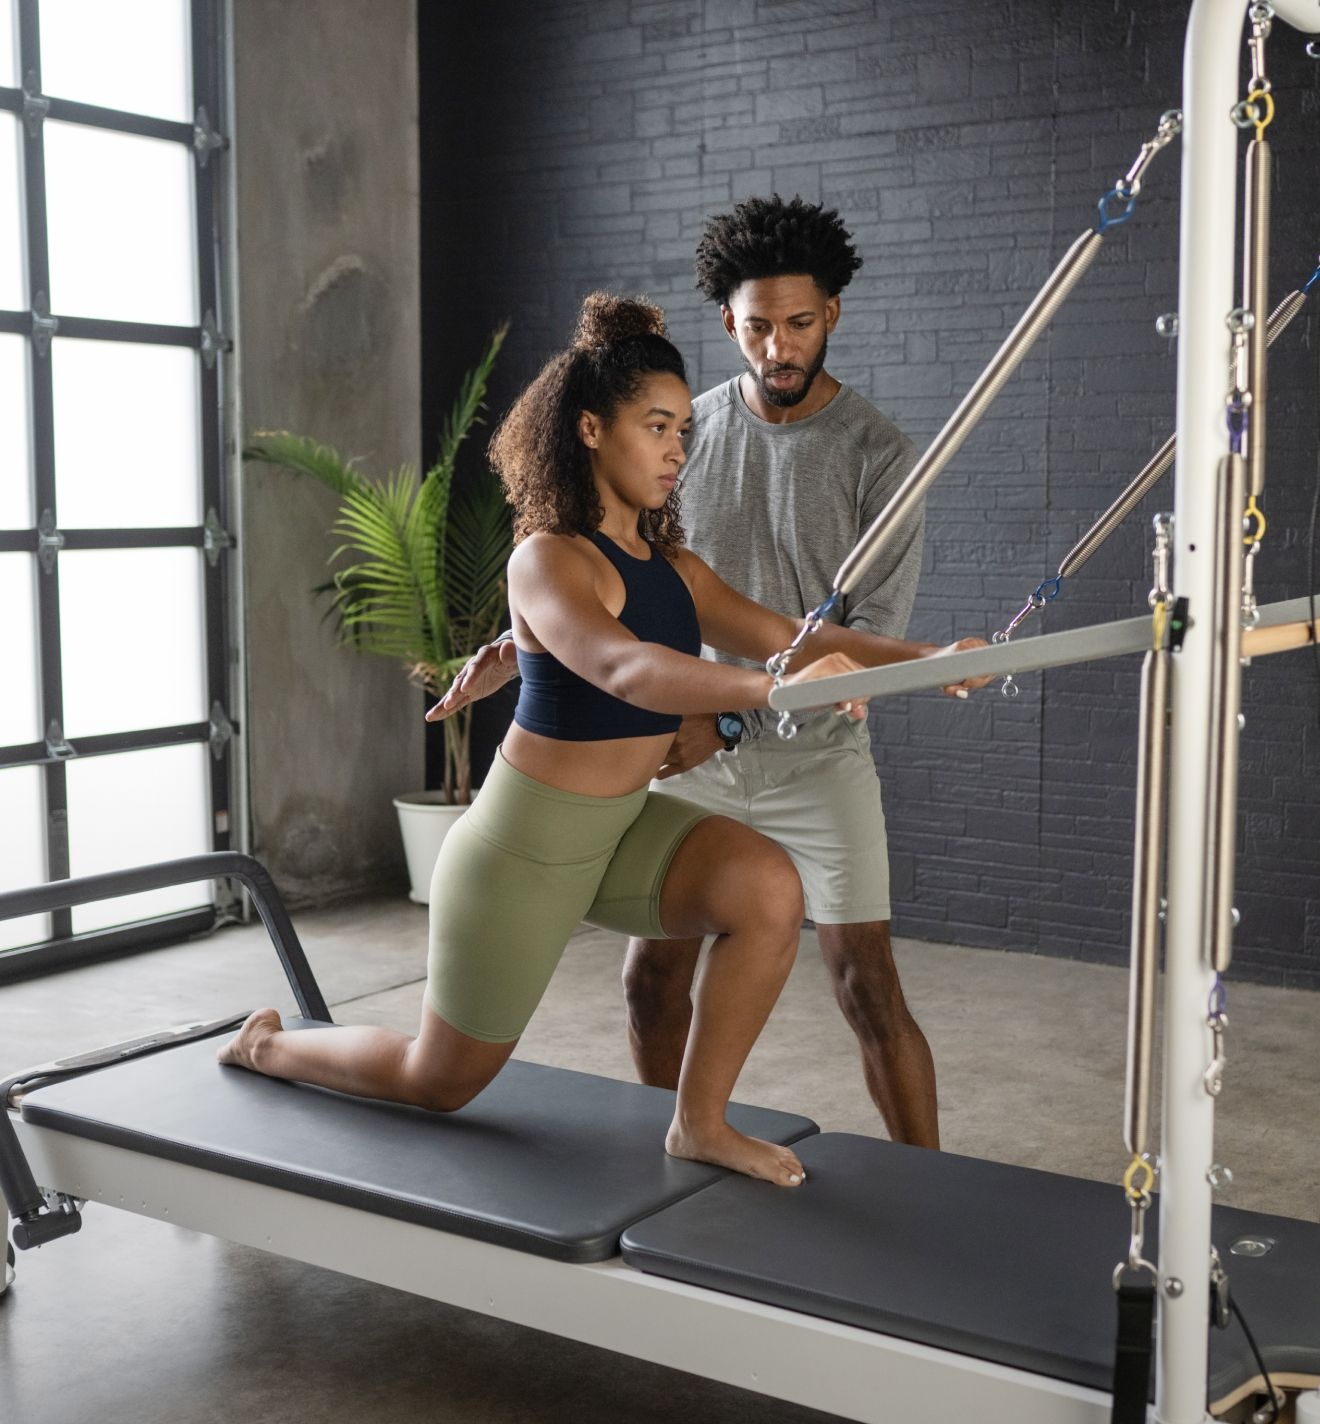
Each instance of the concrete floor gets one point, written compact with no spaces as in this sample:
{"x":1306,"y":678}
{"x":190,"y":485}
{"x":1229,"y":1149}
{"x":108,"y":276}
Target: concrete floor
{"x":137,"y":1321}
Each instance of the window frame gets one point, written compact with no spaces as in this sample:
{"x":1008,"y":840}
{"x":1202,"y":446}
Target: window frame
{"x":205,"y":139}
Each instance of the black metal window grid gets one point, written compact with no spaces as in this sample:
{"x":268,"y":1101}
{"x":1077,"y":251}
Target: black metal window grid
{"x":47,"y":540}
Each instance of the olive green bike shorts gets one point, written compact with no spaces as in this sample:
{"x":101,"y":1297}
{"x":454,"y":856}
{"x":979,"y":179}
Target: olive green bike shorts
{"x":517,"y":874}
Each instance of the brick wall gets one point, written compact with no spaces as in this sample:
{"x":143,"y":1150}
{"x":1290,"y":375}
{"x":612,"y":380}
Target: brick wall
{"x":573,"y":145}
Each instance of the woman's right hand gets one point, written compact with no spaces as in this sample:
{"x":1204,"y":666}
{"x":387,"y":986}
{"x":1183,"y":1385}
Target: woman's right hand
{"x":831,"y":665}
{"x":486,"y":671}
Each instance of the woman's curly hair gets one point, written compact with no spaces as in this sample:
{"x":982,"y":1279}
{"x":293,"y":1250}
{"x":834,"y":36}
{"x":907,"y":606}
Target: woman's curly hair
{"x":537,"y":450}
{"x":768,"y":237}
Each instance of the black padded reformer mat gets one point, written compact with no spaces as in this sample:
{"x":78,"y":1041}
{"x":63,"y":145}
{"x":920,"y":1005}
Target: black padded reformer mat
{"x":546,"y":1160}
{"x":1002,"y":1263}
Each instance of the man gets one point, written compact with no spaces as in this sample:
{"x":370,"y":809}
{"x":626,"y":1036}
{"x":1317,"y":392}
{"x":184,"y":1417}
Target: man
{"x":787,"y":467}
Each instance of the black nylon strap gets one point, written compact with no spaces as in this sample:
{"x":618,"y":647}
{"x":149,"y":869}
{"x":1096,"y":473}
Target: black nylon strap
{"x":1132,"y":1349}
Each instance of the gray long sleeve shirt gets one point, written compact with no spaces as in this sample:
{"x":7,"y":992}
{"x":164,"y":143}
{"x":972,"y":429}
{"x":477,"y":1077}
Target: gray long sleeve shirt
{"x":774,"y":509}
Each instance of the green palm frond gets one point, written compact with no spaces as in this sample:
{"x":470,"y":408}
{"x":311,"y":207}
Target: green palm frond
{"x":380,"y":607}
{"x":427,"y":545}
{"x":303,"y":456}
{"x":480,"y":542}
{"x":469,"y":403}
{"x":417,"y":574}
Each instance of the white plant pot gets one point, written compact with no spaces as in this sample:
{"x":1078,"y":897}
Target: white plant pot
{"x":424,"y":819}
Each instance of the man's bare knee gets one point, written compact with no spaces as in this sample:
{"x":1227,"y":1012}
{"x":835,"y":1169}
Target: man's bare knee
{"x":866,"y":981}
{"x":654,"y":977}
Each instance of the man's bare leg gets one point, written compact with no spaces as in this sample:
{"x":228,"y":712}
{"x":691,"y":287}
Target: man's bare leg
{"x":657,"y":987}
{"x":896,"y":1059}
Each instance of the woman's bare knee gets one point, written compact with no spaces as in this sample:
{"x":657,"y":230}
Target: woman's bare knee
{"x":447,"y":1097}
{"x":775,"y":892}
{"x":727,"y":877}
{"x":444,"y":1069}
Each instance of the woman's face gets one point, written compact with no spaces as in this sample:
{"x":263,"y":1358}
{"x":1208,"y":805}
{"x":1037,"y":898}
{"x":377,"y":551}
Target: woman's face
{"x":636,"y":457}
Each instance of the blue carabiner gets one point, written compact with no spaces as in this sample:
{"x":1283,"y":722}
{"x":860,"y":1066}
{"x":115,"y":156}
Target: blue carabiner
{"x":830,"y":604}
{"x":1106,"y":220}
{"x":1237,"y":426}
{"x":1057,"y":581}
{"x":1218,"y":999}
{"x":1315,"y":277}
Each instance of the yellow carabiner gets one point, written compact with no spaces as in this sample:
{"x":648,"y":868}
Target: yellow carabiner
{"x":1138,"y":1167}
{"x":1263,"y":124}
{"x":1158,"y":620}
{"x":1254,"y":511}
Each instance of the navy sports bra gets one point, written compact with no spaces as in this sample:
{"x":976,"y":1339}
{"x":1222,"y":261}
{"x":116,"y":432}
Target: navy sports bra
{"x":658,"y":608}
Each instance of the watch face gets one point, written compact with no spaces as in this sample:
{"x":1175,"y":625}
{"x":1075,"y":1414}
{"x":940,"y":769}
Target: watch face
{"x":730,"y":726}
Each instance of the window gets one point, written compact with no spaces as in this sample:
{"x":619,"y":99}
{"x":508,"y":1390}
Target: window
{"x":115,"y":739}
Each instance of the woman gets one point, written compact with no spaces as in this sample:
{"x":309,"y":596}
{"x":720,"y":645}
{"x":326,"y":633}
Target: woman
{"x":609,"y":614}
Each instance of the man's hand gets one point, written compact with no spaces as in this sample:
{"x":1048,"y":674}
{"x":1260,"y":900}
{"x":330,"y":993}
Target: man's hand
{"x":486,"y":671}
{"x":695,"y":741}
{"x":831,"y":665}
{"x":968,"y":684}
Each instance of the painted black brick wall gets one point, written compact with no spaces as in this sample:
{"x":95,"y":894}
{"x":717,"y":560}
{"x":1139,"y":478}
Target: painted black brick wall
{"x":581,"y":143}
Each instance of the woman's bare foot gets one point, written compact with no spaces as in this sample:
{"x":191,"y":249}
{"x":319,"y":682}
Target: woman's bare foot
{"x":241,"y":1050}
{"x":726,"y":1147}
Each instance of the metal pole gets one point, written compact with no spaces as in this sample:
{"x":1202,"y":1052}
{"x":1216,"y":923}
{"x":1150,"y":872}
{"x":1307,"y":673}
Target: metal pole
{"x":1077,"y":645}
{"x":1255,"y":298}
{"x":1206,"y":293}
{"x":972,"y":407}
{"x":1147,"y":873}
{"x":1227,"y":699}
{"x":251,"y":874}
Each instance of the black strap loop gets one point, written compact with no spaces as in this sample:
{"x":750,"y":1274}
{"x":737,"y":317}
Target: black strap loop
{"x":1132,"y":1351}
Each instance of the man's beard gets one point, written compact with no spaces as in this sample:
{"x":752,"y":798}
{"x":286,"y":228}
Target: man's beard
{"x":790,"y":397}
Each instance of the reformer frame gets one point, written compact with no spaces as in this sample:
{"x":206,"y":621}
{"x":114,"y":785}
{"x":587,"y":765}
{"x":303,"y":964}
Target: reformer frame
{"x":856,"y":1374}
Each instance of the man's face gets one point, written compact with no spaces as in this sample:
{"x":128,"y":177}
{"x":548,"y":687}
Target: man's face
{"x":781,"y":325}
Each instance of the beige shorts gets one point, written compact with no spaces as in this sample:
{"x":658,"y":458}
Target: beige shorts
{"x":819,"y":797}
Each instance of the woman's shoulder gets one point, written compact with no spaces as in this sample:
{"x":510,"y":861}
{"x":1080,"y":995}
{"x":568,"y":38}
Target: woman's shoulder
{"x":544,"y":554}
{"x":692,"y":568}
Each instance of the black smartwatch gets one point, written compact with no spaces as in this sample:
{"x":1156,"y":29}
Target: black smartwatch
{"x":730,"y":727}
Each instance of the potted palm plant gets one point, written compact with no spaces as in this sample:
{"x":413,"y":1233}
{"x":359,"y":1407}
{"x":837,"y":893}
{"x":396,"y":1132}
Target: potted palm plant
{"x":417,"y":576}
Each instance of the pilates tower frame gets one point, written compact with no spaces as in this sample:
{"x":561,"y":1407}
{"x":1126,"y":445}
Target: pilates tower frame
{"x":1206,"y":294}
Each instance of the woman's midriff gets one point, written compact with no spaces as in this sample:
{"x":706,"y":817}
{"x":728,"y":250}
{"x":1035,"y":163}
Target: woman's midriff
{"x":603,"y":768}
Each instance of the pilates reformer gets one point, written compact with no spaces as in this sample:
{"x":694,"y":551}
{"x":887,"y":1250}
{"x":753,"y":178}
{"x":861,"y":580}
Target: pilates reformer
{"x":546,"y":1202}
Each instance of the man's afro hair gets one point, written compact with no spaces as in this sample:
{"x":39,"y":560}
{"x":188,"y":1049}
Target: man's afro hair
{"x":768,"y":237}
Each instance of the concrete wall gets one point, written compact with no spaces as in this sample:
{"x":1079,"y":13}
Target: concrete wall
{"x":966,"y":142}
{"x":326,"y":170}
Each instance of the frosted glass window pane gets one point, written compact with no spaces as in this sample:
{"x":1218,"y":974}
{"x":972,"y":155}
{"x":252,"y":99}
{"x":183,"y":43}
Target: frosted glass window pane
{"x":138,"y":808}
{"x":22,"y":849}
{"x":119,"y":214}
{"x":13,"y":283}
{"x":127,"y":445}
{"x":15,"y":435}
{"x":131,"y":636}
{"x":9,"y":44}
{"x":20,"y":705}
{"x":132,"y":57}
